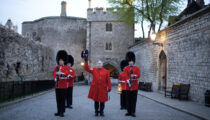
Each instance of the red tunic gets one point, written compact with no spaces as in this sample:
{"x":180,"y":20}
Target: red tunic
{"x":100,"y":84}
{"x":136,"y":72}
{"x":71,"y":79}
{"x":123,"y":80}
{"x":62,"y":84}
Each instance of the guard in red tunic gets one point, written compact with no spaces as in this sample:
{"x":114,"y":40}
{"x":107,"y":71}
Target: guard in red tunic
{"x":133,"y":73}
{"x":122,"y":80}
{"x":61,"y":73}
{"x":100,"y":85}
{"x":70,"y":82}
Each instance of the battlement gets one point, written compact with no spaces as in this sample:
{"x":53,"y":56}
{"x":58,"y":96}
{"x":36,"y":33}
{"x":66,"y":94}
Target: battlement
{"x":101,"y":14}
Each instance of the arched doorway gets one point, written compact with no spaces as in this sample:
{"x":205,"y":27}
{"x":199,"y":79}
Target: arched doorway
{"x":162,"y":83}
{"x":113,"y":71}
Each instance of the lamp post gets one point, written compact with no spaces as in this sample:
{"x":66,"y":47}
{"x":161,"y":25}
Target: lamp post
{"x":153,"y":38}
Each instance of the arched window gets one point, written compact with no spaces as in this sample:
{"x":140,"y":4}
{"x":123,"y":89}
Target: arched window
{"x":109,"y":27}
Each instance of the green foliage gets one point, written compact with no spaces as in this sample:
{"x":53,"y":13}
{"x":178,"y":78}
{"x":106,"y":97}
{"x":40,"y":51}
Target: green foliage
{"x":154,"y":11}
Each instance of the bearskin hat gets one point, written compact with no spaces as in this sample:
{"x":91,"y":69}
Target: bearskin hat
{"x":123,"y":64}
{"x":70,"y":60}
{"x":84,"y":54}
{"x":62,"y":54}
{"x":130,"y":56}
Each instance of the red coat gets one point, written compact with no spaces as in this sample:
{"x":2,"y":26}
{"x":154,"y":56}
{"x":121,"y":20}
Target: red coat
{"x":100,"y":84}
{"x":62,"y":84}
{"x":136,"y":72}
{"x":71,"y":79}
{"x":123,"y":80}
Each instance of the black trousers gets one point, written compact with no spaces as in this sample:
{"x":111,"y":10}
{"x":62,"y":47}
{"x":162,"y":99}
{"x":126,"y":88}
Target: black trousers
{"x":60,"y":99}
{"x":123,"y":99}
{"x":101,"y":104}
{"x":131,"y":101}
{"x":69,"y":94}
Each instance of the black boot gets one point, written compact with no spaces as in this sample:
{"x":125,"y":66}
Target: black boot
{"x":96,"y":113}
{"x":56,"y":114}
{"x":133,"y":115}
{"x":127,"y":114}
{"x":102,"y":114}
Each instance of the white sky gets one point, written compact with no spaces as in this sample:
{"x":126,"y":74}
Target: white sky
{"x":29,"y":10}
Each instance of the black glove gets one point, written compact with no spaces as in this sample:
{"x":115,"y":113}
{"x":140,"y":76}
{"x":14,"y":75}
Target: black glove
{"x":84,"y":55}
{"x":109,"y":90}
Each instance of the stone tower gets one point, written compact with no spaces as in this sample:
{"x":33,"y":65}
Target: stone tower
{"x":63,"y":9}
{"x":108,"y":39}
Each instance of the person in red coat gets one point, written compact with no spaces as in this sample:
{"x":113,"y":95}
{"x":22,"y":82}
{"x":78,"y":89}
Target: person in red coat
{"x":133,"y":73}
{"x":70,"y":82}
{"x":60,"y":75}
{"x":122,"y":80}
{"x":100,"y":85}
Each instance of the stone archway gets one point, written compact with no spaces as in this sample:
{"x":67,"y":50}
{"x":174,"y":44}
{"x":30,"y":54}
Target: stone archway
{"x":162,"y":82}
{"x":113,"y":70}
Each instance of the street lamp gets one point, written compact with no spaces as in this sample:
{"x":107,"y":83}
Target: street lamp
{"x":153,"y":38}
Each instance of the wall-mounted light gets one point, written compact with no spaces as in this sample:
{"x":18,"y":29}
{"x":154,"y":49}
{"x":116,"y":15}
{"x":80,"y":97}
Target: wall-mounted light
{"x":153,"y":38}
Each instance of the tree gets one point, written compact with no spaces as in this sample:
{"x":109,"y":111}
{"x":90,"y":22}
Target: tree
{"x":153,"y":11}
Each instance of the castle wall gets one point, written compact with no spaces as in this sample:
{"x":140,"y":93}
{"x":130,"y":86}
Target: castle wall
{"x":187,"y":47}
{"x":58,"y":33}
{"x":25,"y":66}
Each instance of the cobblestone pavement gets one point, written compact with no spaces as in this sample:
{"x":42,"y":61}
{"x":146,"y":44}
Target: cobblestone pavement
{"x":43,"y":108}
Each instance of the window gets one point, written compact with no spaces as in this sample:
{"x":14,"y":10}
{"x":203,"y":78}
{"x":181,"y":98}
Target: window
{"x":109,"y":27}
{"x":27,"y":35}
{"x":108,"y":46}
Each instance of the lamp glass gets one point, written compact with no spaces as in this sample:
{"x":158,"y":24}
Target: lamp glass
{"x":153,"y":36}
{"x":82,"y":63}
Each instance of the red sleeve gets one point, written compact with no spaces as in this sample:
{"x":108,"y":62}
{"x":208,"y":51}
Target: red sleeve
{"x":54,"y":72}
{"x":87,"y":68}
{"x":109,"y":81}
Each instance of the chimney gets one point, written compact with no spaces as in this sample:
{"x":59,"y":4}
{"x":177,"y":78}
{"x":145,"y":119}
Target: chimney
{"x":200,"y":3}
{"x":63,"y":9}
{"x":90,"y":2}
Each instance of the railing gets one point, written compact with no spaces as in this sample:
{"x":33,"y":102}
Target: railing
{"x":14,"y":89}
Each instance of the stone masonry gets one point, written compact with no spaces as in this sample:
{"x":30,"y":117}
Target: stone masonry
{"x":21,"y":57}
{"x":187,"y":48}
{"x":59,"y":33}
{"x":121,"y":37}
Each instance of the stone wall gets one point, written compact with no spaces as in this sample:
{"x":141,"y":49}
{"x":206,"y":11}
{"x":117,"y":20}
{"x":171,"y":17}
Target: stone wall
{"x":121,"y":37}
{"x":24,"y":59}
{"x":187,"y":48}
{"x":59,"y":33}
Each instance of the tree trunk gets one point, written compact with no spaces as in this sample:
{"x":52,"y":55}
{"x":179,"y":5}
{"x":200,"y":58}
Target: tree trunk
{"x":161,"y":22}
{"x":149,"y":31}
{"x":142,"y":27}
